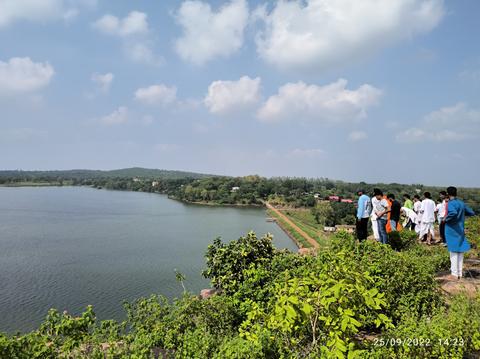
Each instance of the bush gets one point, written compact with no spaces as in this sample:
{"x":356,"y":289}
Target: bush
{"x":452,"y":332}
{"x":239,"y":348}
{"x":226,"y":263}
{"x":257,"y":281}
{"x":472,"y":231}
{"x":401,"y":240}
{"x":406,"y":279}
{"x":318,"y":308}
{"x":190,"y":327}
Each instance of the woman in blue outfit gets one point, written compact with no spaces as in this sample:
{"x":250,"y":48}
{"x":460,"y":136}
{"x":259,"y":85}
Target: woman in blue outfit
{"x":455,"y":231}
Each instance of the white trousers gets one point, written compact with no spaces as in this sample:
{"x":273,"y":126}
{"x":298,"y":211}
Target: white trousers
{"x":375,"y":229}
{"x":425,"y":228}
{"x":456,"y":260}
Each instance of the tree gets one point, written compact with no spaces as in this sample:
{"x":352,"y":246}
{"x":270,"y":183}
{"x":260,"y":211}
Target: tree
{"x":324,"y":214}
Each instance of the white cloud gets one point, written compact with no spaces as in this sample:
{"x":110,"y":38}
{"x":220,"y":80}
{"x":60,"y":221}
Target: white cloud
{"x":321,"y":33}
{"x":455,"y":123}
{"x":142,"y":53}
{"x":231,"y":96}
{"x":331,"y":103}
{"x":133,"y":30}
{"x":21,"y":75}
{"x":157,"y":95}
{"x":103,"y":81}
{"x":355,"y":136}
{"x":134,"y":23}
{"x":40,"y":11}
{"x":208,"y":34}
{"x":117,"y":117}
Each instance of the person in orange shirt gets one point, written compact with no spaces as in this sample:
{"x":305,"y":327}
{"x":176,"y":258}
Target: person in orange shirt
{"x":394,"y":214}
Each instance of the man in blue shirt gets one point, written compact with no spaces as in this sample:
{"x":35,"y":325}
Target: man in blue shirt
{"x":457,"y":243}
{"x":363,"y":213}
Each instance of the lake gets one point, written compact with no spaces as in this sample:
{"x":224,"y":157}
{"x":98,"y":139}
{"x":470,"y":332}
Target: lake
{"x":67,"y":247}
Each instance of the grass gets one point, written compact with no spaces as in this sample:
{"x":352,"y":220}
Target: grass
{"x":304,"y":219}
{"x":297,"y":237}
{"x":306,"y":222}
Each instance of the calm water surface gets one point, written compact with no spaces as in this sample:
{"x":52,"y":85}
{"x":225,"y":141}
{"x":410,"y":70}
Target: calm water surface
{"x":67,"y":247}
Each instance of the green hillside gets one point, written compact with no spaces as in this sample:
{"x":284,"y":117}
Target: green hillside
{"x":96,"y":174}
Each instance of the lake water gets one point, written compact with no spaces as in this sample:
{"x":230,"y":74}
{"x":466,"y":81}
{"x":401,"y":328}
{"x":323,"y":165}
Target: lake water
{"x":67,"y":247}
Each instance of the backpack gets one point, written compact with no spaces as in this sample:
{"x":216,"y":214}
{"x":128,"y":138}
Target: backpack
{"x":369,"y":207}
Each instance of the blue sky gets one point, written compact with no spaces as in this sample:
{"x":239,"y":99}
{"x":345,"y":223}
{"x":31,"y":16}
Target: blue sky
{"x":359,"y":91}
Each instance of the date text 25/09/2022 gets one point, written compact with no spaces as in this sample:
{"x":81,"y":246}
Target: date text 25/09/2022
{"x":425,"y":342}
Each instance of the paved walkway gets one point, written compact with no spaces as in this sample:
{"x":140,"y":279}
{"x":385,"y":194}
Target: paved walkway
{"x":309,"y":239}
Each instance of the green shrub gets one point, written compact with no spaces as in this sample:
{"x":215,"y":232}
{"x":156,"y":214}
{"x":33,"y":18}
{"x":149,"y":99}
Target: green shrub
{"x":189,"y":326}
{"x":406,"y":279}
{"x":257,"y":281}
{"x":452,"y":332}
{"x":401,"y":240}
{"x":226,"y":263}
{"x":239,"y":348}
{"x":319,"y":305}
{"x":472,"y":231}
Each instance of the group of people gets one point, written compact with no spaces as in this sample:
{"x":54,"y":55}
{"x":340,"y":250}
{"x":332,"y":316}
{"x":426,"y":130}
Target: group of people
{"x":385,"y":213}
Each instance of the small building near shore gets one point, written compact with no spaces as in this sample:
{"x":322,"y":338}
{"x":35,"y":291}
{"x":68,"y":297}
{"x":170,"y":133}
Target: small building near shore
{"x":345,"y":227}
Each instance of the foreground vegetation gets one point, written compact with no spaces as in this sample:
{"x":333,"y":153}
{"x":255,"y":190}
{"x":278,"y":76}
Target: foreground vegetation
{"x":350,"y":300}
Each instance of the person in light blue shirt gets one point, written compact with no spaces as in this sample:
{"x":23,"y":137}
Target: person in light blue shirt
{"x":363,"y":214}
{"x":457,"y":243}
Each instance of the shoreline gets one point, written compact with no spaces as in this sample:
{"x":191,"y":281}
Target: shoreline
{"x":213,"y":204}
{"x":289,"y":234}
{"x":302,"y":233}
{"x":13,"y":185}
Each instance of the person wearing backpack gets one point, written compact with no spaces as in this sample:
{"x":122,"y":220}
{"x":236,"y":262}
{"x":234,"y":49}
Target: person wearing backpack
{"x":364,"y":208}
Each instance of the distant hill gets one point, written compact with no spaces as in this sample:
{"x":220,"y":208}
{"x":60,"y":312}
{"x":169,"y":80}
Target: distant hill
{"x":93,"y":174}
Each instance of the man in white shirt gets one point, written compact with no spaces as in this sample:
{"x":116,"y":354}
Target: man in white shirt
{"x":441,"y":211}
{"x":410,"y":215}
{"x":417,"y":204}
{"x":373,"y":217}
{"x":381,"y":211}
{"x":427,"y":211}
